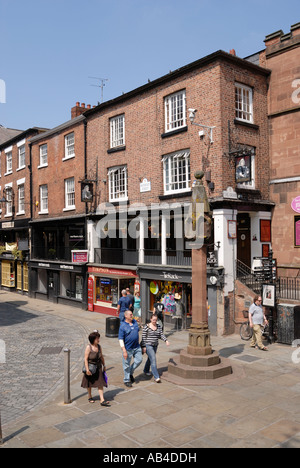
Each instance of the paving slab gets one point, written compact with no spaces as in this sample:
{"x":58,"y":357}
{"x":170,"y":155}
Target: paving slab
{"x":259,"y":409}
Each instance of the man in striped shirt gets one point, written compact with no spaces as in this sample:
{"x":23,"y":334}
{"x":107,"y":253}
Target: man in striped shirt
{"x":152,"y":332}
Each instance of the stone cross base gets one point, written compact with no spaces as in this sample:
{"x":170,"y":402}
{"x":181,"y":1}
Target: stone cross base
{"x":199,"y":362}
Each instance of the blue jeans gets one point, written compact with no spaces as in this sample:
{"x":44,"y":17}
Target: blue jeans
{"x":122,"y":316}
{"x":129,"y":369}
{"x":151,"y":362}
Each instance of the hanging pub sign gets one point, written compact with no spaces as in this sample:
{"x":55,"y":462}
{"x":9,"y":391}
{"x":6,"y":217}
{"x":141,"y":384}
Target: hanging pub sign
{"x":87,"y":192}
{"x":243,"y":169}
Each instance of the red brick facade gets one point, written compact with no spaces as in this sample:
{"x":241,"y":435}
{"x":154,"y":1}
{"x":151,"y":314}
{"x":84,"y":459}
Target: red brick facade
{"x":283,"y":58}
{"x":210,"y":88}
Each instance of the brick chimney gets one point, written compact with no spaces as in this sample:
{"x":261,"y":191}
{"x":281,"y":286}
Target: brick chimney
{"x":79,"y":109}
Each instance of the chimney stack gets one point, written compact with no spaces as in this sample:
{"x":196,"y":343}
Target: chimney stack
{"x":79,"y":109}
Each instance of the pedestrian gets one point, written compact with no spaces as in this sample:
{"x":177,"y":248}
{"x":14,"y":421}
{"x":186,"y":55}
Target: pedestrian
{"x":137,"y":313}
{"x":159,"y":310}
{"x":93,"y":355}
{"x":123,"y":305}
{"x":131,"y":298}
{"x":257,"y":319}
{"x":152,"y":332}
{"x":130,"y":345}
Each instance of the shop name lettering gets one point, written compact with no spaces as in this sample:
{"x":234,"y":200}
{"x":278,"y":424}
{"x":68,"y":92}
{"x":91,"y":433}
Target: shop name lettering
{"x":168,"y":276}
{"x":296,"y":93}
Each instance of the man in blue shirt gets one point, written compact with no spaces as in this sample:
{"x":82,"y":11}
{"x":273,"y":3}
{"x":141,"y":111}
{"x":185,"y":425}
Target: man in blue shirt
{"x":123,"y":305}
{"x":130,"y":345}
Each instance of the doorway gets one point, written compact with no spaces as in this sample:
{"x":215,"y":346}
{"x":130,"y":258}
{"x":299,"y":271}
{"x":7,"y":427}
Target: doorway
{"x":244,"y":238}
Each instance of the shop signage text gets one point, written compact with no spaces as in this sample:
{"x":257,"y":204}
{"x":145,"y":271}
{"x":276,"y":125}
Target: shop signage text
{"x":80,"y":256}
{"x":296,"y":204}
{"x":112,"y":271}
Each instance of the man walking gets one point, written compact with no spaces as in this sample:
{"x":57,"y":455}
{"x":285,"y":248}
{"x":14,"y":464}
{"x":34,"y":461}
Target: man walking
{"x":123,"y":305}
{"x":129,"y":342}
{"x":257,"y":319}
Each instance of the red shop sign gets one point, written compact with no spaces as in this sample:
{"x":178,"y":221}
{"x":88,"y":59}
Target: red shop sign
{"x":91,"y":294}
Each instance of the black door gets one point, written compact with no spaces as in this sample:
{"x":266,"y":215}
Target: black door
{"x":244,"y":239}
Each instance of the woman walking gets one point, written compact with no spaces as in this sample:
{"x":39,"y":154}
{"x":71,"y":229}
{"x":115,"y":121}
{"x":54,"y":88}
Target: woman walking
{"x":94,"y":357}
{"x":152,"y":332}
{"x":137,"y":307}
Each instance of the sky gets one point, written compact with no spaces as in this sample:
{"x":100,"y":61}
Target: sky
{"x":50,"y":49}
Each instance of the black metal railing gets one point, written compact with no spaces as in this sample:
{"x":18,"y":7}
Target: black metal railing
{"x":120,"y":257}
{"x":248,"y":278}
{"x":288,"y":288}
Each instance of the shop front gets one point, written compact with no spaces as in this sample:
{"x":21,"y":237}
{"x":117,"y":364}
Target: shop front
{"x":105,"y":287}
{"x":14,"y":253}
{"x":61,"y":283}
{"x":173,"y":288}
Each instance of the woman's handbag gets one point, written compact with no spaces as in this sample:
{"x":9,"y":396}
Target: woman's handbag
{"x":92,"y":368}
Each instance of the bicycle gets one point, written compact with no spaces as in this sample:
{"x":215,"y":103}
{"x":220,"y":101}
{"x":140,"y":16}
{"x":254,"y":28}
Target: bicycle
{"x":246,"y":332}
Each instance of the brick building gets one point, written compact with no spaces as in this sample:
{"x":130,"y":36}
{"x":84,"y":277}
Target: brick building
{"x":15,"y":207}
{"x":145,"y":151}
{"x":58,"y":225}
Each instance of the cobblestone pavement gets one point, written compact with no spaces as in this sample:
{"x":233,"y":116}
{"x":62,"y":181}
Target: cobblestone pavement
{"x":34,"y":343}
{"x":257,"y":407}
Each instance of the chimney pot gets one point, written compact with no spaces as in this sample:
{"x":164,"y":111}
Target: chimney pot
{"x":77,"y":104}
{"x":88,"y":106}
{"x":232,"y":52}
{"x":83,"y":105}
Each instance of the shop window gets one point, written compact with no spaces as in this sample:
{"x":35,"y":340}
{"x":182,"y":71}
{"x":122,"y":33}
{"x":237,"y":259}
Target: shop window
{"x":71,"y":285}
{"x":19,"y":276}
{"x":25,"y":277}
{"x":42,"y":281}
{"x":8,"y":274}
{"x":297,"y":231}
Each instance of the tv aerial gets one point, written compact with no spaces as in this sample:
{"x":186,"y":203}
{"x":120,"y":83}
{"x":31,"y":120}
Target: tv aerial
{"x":101,"y":85}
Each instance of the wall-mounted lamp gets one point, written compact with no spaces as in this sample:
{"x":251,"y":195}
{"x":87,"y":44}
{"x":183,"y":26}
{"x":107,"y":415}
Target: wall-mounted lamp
{"x":192,"y":114}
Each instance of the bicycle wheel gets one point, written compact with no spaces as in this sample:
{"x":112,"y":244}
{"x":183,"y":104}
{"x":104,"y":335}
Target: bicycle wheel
{"x":246,"y":331}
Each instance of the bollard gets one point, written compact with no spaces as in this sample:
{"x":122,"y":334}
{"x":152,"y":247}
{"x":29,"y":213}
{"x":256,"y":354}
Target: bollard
{"x":67,"y":399}
{"x":1,"y":439}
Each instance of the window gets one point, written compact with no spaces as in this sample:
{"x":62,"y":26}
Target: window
{"x":175,"y":111}
{"x":177,"y":172}
{"x":9,"y":162}
{"x":9,"y":201}
{"x":70,"y":194}
{"x":118,"y":184}
{"x":69,"y":146}
{"x":21,"y":199}
{"x":243,"y":103}
{"x":43,"y":155}
{"x":44,"y":198}
{"x":117,"y":131}
{"x":21,"y":153}
{"x":297,"y":231}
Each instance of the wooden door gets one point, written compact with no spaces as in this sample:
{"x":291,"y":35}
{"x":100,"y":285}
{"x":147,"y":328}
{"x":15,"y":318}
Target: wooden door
{"x":244,"y":239}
